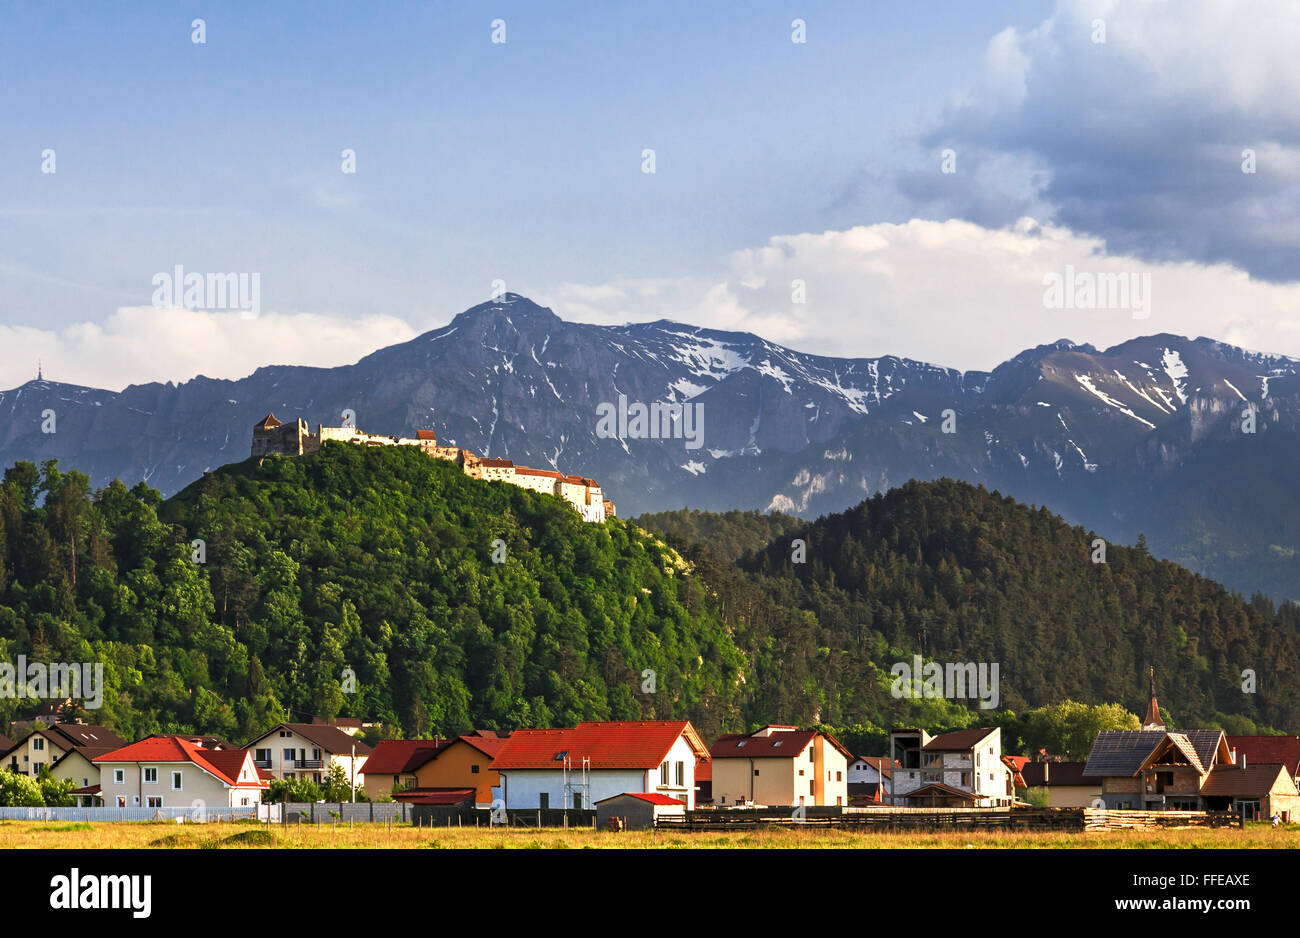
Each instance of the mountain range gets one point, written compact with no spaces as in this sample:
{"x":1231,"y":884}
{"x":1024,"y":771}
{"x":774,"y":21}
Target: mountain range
{"x":1190,"y":442}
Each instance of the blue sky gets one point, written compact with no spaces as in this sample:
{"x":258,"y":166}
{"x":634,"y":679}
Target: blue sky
{"x":522,"y":161}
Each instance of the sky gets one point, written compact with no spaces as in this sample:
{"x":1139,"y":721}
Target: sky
{"x":906,"y":180}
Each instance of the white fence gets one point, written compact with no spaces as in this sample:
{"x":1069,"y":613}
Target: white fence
{"x":188,"y":815}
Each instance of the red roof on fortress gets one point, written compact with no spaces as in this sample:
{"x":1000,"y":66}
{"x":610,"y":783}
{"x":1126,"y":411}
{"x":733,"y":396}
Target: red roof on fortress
{"x":496,"y":463}
{"x":426,"y":435}
{"x":223,"y":763}
{"x":269,"y":422}
{"x":529,"y":471}
{"x":636,"y":744}
{"x":575,"y":480}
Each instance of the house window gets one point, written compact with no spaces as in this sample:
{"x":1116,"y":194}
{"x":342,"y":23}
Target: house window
{"x":544,"y":800}
{"x":38,"y":743}
{"x":119,"y":776}
{"x":800,"y":772}
{"x":681,"y":774}
{"x":839,"y":776}
{"x":121,"y":802}
{"x":288,"y":755}
{"x":155,"y":801}
{"x":756,"y":772}
{"x":151,"y":774}
{"x":812,"y":756}
{"x":812,"y":787}
{"x":473,"y":769}
{"x":176,"y":781}
{"x":262,"y":755}
{"x":663,"y":773}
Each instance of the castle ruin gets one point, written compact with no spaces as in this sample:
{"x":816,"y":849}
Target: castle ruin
{"x":271,"y":437}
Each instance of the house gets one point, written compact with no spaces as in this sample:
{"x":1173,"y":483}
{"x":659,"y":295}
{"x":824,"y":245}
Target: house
{"x":964,"y":767}
{"x":1153,"y":769}
{"x":869,"y":780}
{"x":780,"y":765}
{"x":1265,"y":749}
{"x":421,"y":767}
{"x":78,"y":764}
{"x":42,"y":747}
{"x":638,"y":809}
{"x":308,"y":750}
{"x":575,"y":768}
{"x":1252,"y":789}
{"x":392,"y":764}
{"x":171,"y":771}
{"x":1066,"y":785}
{"x":703,"y":781}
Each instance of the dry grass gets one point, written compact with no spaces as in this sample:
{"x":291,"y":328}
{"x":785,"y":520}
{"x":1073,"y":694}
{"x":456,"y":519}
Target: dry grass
{"x":247,"y":835}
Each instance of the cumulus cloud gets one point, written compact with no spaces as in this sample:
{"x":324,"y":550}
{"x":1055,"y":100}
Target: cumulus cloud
{"x":953,"y":293}
{"x":139,"y":344}
{"x":1138,"y":139}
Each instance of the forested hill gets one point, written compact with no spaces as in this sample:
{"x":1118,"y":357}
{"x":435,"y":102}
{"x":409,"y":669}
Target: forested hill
{"x":728,"y":534}
{"x":381,"y":561}
{"x":458,"y":603}
{"x":975,"y":576}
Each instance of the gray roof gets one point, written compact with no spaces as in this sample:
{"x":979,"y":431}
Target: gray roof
{"x":1122,"y":752}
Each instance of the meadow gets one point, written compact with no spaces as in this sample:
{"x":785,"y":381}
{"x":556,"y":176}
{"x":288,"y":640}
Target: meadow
{"x":246,"y":835}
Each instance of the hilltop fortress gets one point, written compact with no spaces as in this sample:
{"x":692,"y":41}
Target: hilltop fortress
{"x":272,"y":437}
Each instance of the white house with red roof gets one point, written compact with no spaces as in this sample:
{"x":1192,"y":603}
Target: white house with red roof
{"x":575,"y":768}
{"x":174,"y":772}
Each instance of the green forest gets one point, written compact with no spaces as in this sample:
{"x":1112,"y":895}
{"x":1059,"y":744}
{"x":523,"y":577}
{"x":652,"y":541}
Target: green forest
{"x":378,"y":583}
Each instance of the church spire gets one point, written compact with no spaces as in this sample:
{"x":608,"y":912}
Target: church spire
{"x":1153,"y":721}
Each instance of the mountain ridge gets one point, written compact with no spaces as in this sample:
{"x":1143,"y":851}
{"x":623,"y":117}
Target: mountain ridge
{"x":1120,"y":439}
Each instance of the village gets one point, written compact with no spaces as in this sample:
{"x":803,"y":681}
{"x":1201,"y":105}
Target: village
{"x":271,"y":436}
{"x":626,"y":775}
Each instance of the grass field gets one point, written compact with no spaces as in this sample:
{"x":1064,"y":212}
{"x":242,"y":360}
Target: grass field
{"x":249,"y":835}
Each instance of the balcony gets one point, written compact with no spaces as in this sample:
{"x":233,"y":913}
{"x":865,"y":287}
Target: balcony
{"x":262,"y":763}
{"x":306,"y":763}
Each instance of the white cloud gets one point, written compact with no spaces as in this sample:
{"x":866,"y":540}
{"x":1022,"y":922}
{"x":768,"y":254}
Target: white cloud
{"x":139,"y":344}
{"x":952,"y":293}
{"x":1138,"y":139}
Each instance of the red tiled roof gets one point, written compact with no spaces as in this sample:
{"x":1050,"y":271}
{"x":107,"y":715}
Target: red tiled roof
{"x":490,"y":746}
{"x":444,"y":796}
{"x":783,"y":745}
{"x":395,"y":756}
{"x":880,"y":763}
{"x":88,"y":790}
{"x":639,"y":744}
{"x":1254,"y":781}
{"x":1283,"y":749}
{"x":330,"y":738}
{"x":529,"y":471}
{"x":651,"y":796}
{"x":1040,"y":774}
{"x":426,"y":435}
{"x":496,"y":463}
{"x":176,"y":749}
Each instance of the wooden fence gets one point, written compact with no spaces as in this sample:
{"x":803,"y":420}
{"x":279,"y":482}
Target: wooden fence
{"x":940,"y":819}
